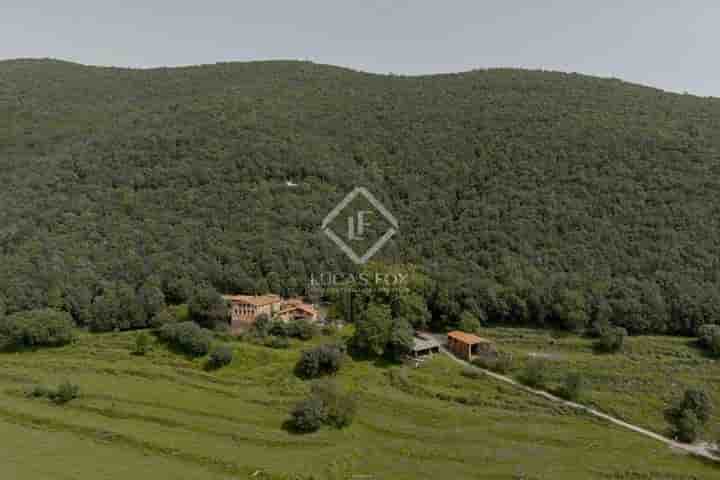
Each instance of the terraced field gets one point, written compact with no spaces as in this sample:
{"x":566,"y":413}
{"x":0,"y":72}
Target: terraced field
{"x":163,"y":417}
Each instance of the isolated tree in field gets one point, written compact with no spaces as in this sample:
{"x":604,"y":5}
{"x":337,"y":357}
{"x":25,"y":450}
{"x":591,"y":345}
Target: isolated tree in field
{"x":573,"y":387}
{"x":322,"y":360}
{"x":689,"y":416}
{"x":220,"y":356}
{"x":208,"y":308}
{"x":373,"y":330}
{"x":326,"y":405}
{"x":308,"y":415}
{"x":142,"y":344}
{"x":535,"y":373}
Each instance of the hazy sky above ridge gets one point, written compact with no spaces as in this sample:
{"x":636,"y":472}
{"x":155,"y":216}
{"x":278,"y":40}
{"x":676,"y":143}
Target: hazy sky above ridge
{"x":666,"y":44}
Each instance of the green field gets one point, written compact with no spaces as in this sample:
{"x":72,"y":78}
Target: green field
{"x":163,"y":417}
{"x":636,"y":385}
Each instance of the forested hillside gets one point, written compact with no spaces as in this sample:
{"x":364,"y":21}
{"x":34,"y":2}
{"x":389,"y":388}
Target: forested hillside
{"x":529,"y":197}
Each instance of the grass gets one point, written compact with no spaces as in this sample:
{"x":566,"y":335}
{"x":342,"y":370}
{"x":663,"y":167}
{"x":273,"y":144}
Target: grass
{"x":635,"y":385}
{"x":163,"y":416}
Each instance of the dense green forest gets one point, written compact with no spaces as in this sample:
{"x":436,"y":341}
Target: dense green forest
{"x":527,"y":197}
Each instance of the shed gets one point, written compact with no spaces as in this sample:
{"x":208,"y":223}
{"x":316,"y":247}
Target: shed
{"x":424,"y":344}
{"x":466,"y":345}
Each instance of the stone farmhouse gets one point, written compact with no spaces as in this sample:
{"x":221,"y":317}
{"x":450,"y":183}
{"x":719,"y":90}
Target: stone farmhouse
{"x":245,"y":309}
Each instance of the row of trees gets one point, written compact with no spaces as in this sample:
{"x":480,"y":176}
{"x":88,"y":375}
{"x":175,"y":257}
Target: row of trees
{"x":513,"y":293}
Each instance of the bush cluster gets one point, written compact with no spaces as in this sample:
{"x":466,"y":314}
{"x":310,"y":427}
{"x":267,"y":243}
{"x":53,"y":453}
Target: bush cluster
{"x":187,"y":337}
{"x":64,"y":393}
{"x":36,"y":328}
{"x":611,"y":340}
{"x":276,"y":342}
{"x":574,"y":386}
{"x":141,"y":346}
{"x":220,"y":356}
{"x":323,"y":360}
{"x":709,"y":338}
{"x":326,"y":405}
{"x":301,"y":329}
{"x":535,"y":373}
{"x":689,"y":416}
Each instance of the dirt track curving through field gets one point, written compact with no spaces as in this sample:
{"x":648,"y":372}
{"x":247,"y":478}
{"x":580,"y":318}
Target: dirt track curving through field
{"x":699,"y":450}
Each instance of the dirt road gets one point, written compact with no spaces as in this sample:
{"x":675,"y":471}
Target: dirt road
{"x":700,"y":450}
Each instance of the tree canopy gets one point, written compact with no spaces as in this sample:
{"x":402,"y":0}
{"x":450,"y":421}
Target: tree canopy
{"x":528,"y":197}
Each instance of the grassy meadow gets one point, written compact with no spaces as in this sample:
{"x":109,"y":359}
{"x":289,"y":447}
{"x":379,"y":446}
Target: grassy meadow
{"x":635,"y":385}
{"x":162,"y":416}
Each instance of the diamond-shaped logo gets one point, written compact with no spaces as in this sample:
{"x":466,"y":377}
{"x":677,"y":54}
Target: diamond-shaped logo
{"x":357,"y":224}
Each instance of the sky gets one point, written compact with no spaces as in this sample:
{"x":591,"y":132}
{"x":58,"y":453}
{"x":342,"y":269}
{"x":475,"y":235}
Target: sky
{"x":670,"y":45}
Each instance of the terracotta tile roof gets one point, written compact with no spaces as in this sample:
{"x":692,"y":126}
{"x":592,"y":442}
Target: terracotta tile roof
{"x":257,"y":300}
{"x":293,"y":301}
{"x":467,"y":338}
{"x":303,"y":306}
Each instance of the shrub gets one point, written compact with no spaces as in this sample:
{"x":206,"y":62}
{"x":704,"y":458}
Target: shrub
{"x":714,"y":347}
{"x":322,"y":360}
{"x":277,"y":342}
{"x":278,"y":328}
{"x":535,"y":373}
{"x":187,"y":337}
{"x":220,"y":356}
{"x":699,"y":402}
{"x":611,"y":340}
{"x":688,"y":427}
{"x":573,"y":386}
{"x":706,"y":333}
{"x":688,"y":417}
{"x":307,"y":416}
{"x":142,"y":344}
{"x":262,"y":325}
{"x":330,"y":329}
{"x":41,"y":391}
{"x":304,"y":330}
{"x":326,"y":405}
{"x":36,"y":328}
{"x":339,"y":408}
{"x":709,"y":338}
{"x":163,"y":316}
{"x":501,"y":363}
{"x":64,"y":393}
{"x":598,"y":328}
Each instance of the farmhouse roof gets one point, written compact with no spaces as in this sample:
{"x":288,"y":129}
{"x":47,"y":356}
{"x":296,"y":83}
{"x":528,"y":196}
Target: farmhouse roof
{"x":302,"y":306}
{"x":467,"y":338}
{"x":257,"y":300}
{"x":422,"y":342}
